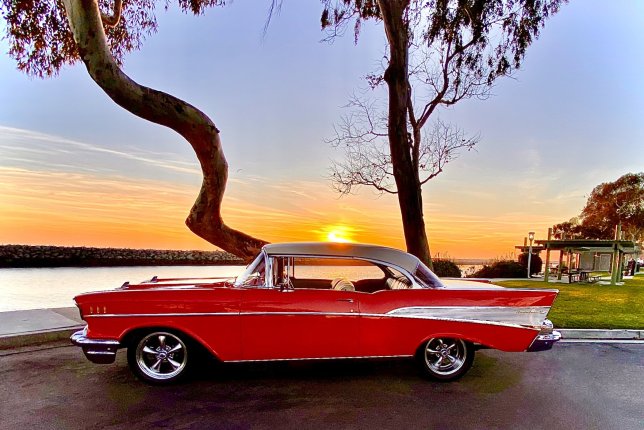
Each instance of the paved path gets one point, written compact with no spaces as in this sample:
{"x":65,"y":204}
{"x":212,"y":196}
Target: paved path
{"x":574,"y":386}
{"x":29,"y":327}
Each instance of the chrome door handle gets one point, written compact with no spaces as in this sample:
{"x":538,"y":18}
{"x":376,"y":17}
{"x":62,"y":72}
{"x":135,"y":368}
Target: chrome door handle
{"x":345,"y":300}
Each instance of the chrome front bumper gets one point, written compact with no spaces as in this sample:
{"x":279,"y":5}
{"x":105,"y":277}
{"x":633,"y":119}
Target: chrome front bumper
{"x":546,"y":338}
{"x":101,"y":351}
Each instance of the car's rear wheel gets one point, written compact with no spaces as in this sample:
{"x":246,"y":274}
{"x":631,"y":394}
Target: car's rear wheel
{"x":446,"y":359}
{"x":159,"y":357}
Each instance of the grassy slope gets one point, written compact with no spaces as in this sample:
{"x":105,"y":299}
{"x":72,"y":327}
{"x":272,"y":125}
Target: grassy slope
{"x":581,"y":305}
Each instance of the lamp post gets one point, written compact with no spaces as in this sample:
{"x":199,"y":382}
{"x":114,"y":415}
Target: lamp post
{"x":531,"y":237}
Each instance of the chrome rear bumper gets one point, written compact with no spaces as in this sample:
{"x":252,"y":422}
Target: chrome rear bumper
{"x":544,"y":342}
{"x":546,"y":338}
{"x":101,"y":351}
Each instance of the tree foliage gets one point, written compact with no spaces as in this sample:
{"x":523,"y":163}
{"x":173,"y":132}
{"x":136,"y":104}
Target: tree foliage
{"x":616,"y":202}
{"x":501,"y":269}
{"x":446,"y":269}
{"x":609,"y":204}
{"x":41,"y":41}
{"x":535,"y":263}
{"x":473,"y":38}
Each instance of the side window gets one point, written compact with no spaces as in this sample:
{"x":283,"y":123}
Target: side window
{"x":342,"y":274}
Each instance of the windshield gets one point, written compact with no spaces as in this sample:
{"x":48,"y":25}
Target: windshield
{"x":427,"y":278}
{"x":255,"y":273}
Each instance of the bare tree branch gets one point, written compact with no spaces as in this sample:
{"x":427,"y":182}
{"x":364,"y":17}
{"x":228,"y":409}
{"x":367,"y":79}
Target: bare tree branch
{"x":113,"y":20}
{"x":366,"y":159}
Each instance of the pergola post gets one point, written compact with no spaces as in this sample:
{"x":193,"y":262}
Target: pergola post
{"x":546,"y":272}
{"x":616,"y":262}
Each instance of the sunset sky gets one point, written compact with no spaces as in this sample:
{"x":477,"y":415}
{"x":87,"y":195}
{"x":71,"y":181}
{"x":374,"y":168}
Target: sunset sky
{"x":75,"y":169}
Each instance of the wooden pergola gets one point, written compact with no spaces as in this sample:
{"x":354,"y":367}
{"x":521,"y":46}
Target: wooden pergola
{"x":617,"y":247}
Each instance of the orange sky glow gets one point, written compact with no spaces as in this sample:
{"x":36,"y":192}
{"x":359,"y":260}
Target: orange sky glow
{"x":81,"y":209}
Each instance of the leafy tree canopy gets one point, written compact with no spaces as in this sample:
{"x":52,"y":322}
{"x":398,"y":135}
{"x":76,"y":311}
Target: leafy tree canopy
{"x":488,"y":38}
{"x":41,"y":41}
{"x":609,"y":204}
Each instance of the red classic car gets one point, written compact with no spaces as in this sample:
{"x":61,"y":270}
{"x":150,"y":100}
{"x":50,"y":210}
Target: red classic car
{"x":300,"y":301}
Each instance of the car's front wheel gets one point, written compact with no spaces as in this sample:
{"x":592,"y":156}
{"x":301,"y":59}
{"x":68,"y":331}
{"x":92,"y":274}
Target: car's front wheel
{"x":446,"y":359}
{"x":159,"y":357}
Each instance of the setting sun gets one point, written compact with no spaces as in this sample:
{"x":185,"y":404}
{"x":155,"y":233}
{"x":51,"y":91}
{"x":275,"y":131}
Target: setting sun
{"x":340,"y":234}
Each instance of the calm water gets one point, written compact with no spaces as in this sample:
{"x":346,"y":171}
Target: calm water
{"x":22,"y":289}
{"x":56,"y":287}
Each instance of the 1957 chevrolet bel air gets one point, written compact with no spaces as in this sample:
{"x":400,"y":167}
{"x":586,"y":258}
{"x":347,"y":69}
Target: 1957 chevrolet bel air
{"x":300,"y":301}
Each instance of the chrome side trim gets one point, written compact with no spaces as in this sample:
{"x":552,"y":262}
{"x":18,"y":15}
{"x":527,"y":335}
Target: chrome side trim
{"x":148,"y":287}
{"x":171,"y":314}
{"x":461,"y":320}
{"x":392,"y":314}
{"x":532,"y":290}
{"x":531,"y":316}
{"x":320,"y":358}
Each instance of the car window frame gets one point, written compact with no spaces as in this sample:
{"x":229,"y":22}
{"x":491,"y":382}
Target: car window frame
{"x":382,"y":265}
{"x":250,"y":269}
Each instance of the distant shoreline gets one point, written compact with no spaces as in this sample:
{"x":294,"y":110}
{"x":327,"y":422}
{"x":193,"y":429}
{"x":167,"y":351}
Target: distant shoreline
{"x":33,"y":256}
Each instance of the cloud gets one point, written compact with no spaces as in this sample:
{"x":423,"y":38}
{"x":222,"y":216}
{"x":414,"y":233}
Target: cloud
{"x":46,"y":149}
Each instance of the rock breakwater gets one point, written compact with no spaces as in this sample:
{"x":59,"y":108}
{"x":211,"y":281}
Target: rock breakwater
{"x":78,"y":256}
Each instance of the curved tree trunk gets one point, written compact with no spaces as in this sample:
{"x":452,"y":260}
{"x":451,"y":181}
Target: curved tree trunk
{"x":408,"y":184}
{"x":205,"y":216}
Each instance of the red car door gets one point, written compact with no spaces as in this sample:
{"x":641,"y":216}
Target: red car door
{"x":299,"y":323}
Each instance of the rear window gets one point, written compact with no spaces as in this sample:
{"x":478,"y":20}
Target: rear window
{"x":427,"y":278}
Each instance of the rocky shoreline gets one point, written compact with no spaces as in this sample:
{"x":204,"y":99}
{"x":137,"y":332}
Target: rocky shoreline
{"x":25,"y":256}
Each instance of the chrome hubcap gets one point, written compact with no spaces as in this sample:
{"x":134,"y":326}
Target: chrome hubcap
{"x":161,"y":355}
{"x":445,"y":356}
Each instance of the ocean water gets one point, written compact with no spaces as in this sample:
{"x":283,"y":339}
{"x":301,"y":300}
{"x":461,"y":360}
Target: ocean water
{"x":39,"y":288}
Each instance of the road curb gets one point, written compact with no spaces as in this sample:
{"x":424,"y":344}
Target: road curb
{"x":18,"y":340}
{"x":601,"y":334}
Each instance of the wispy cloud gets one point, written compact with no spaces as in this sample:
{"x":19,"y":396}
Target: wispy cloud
{"x":16,"y":143}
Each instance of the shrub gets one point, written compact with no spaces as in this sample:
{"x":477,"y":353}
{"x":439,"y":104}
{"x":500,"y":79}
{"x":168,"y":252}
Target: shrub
{"x":501,"y":269}
{"x":535,"y":263}
{"x":446,"y":268}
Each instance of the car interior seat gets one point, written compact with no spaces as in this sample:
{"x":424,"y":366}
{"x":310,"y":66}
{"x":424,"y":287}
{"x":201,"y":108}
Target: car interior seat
{"x":342,"y":284}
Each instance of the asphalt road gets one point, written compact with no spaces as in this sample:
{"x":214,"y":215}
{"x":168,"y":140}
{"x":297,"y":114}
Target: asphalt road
{"x":574,"y":386}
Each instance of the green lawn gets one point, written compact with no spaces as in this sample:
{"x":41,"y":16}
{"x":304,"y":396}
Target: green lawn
{"x":582,"y":305}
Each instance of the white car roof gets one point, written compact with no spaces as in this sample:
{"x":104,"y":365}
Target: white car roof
{"x":394,"y":257}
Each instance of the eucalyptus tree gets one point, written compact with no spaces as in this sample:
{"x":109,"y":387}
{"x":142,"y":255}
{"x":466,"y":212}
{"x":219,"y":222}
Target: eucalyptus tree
{"x":439,"y":52}
{"x":617,"y":202}
{"x":610,"y":204}
{"x":44,"y":35}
